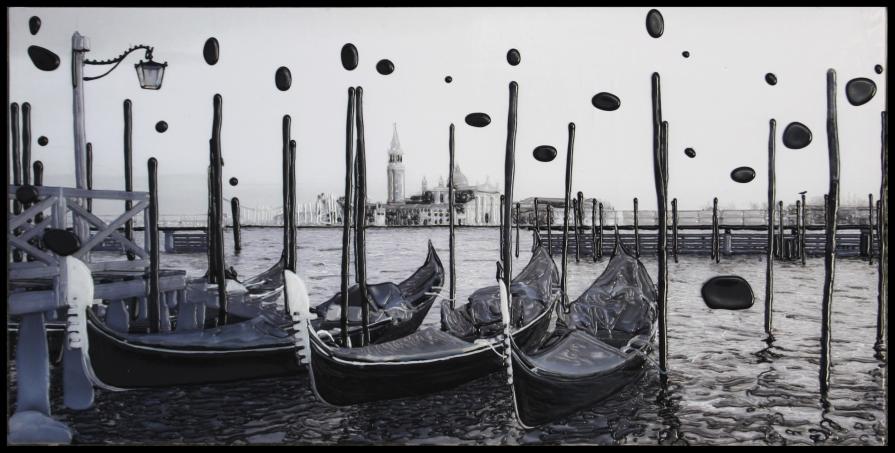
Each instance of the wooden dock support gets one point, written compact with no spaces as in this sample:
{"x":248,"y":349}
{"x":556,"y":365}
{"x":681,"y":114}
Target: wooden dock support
{"x":452,"y":293}
{"x":361,"y":217}
{"x":537,"y":222}
{"x":577,"y":230}
{"x":509,"y":174}
{"x":636,"y":231}
{"x":600,"y":239}
{"x":674,"y":228}
{"x":128,"y":172}
{"x":802,"y":248}
{"x":716,"y":232}
{"x":870,"y":229}
{"x":565,"y":221}
{"x":156,"y":309}
{"x":780,"y":230}
{"x":518,"y":221}
{"x":769,"y":271}
{"x":346,"y":210}
{"x":830,"y":255}
{"x":550,"y":228}
{"x":883,"y":262}
{"x":234,"y":212}
{"x":26,"y":143}
{"x":593,"y":228}
{"x":660,"y":175}
{"x":89,"y":175}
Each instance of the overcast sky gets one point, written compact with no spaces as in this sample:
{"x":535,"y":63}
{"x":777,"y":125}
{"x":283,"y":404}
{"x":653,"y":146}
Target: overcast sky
{"x":716,"y":101}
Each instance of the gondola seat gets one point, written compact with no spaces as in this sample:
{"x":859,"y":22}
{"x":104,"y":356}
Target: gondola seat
{"x":579,"y":354}
{"x":425,"y":344}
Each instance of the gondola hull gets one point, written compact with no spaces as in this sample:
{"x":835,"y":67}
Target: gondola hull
{"x":119,"y":363}
{"x":542,"y":398}
{"x":341,"y":382}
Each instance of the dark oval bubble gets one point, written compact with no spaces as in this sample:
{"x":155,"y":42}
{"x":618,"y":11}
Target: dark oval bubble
{"x":34,"y":24}
{"x":212,"y":51}
{"x":655,"y":23}
{"x":27,"y":194}
{"x":478,"y":119}
{"x":728,"y":292}
{"x":385,"y":67}
{"x":742,"y":174}
{"x":690,"y":153}
{"x":283,"y":78}
{"x":860,"y":91}
{"x":43,"y":141}
{"x":770,"y":78}
{"x":544,"y":153}
{"x":234,"y":181}
{"x":448,"y":79}
{"x":686,"y":54}
{"x":606,"y":101}
{"x":44,"y":59}
{"x":161,"y":126}
{"x":878,"y":68}
{"x":349,"y":56}
{"x":61,"y":242}
{"x":514,"y":57}
{"x":796,"y":136}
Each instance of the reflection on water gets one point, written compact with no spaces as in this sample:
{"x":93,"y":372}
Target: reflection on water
{"x":726,"y":384}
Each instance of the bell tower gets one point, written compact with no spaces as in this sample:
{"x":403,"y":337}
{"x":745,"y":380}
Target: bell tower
{"x":395,"y":169}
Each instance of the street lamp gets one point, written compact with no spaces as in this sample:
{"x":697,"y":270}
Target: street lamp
{"x":149,"y":73}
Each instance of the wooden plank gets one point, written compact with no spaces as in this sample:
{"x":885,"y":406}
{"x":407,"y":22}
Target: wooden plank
{"x":19,"y":220}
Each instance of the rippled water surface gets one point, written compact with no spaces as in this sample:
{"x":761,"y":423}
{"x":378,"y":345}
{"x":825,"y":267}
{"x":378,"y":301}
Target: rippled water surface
{"x":725,"y":385}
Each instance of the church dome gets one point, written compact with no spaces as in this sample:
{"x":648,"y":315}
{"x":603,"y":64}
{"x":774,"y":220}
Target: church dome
{"x":460,"y":180}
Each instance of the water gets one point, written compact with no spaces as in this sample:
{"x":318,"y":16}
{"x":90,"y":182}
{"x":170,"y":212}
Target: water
{"x":725,"y":387}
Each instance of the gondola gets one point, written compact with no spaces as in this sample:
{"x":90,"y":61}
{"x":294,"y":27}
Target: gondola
{"x":465,"y":347}
{"x":248,"y":347}
{"x":598,"y":348}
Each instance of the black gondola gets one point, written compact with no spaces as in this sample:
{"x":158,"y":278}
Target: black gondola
{"x":467,"y":346}
{"x":599,"y":347}
{"x":252,"y":345}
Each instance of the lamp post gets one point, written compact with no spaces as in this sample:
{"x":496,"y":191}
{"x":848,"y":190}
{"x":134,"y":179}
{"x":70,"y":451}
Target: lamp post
{"x":150,"y":75}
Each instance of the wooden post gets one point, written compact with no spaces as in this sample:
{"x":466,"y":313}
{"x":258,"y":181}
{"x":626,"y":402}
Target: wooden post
{"x":452,"y":294}
{"x":89,"y":175}
{"x":292,"y":263}
{"x":830,"y":249}
{"x":79,"y":46}
{"x":509,"y":172}
{"x":593,"y":229}
{"x":346,"y":217}
{"x":549,"y":228}
{"x":518,"y":220}
{"x":16,"y":169}
{"x":26,"y":143}
{"x":780,"y":230}
{"x":217,"y":163}
{"x":502,"y":220}
{"x":883,"y":225}
{"x":802,"y":252}
{"x":360,"y":229}
{"x":287,"y":194}
{"x":234,"y":210}
{"x":38,"y":181}
{"x":772,"y":195}
{"x":128,"y":172}
{"x":674,"y":228}
{"x":575,"y":207}
{"x":565,"y":220}
{"x":870,"y":229}
{"x":660,"y":176}
{"x":155,"y":308}
{"x":600,"y":245}
{"x":636,"y":232}
{"x":716,"y":239}
{"x":798,"y":228}
{"x":537,"y":223}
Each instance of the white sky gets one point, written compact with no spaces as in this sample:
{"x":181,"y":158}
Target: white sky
{"x":716,"y":101}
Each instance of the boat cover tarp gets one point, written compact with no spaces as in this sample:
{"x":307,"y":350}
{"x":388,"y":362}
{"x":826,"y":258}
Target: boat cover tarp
{"x":261,"y":331}
{"x":531,"y":294}
{"x":577,"y":354}
{"x":622,"y":299}
{"x":425,"y":344}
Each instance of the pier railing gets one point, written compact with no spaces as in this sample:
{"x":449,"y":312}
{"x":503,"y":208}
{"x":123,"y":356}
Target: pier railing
{"x":61,"y":208}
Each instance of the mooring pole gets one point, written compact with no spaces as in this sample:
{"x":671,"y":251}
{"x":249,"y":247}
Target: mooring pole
{"x":89,"y":175}
{"x":537,"y":223}
{"x":346,"y":217}
{"x":360,"y":230}
{"x":600,"y":245}
{"x":502,"y":221}
{"x":26,"y":143}
{"x":870,"y":229}
{"x":292,"y":264}
{"x":674,"y":228}
{"x":798,"y":228}
{"x":593,"y":229}
{"x":716,"y":232}
{"x":660,"y":168}
{"x":636,"y":231}
{"x":802,"y":252}
{"x":217,"y":163}
{"x":577,"y":228}
{"x":780,"y":230}
{"x":453,"y":287}
{"x":883,"y":263}
{"x":16,"y":168}
{"x":287,"y":217}
{"x":772,"y":195}
{"x":509,"y":173}
{"x":518,"y":220}
{"x":550,"y":228}
{"x":39,"y":181}
{"x":128,"y":173}
{"x":830,"y":249}
{"x":565,"y":220}
{"x":234,"y":211}
{"x":155,"y":308}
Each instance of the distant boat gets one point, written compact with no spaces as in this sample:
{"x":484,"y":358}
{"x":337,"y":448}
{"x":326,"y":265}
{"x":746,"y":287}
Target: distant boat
{"x":465,"y":347}
{"x":255,"y":344}
{"x":596,"y":350}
